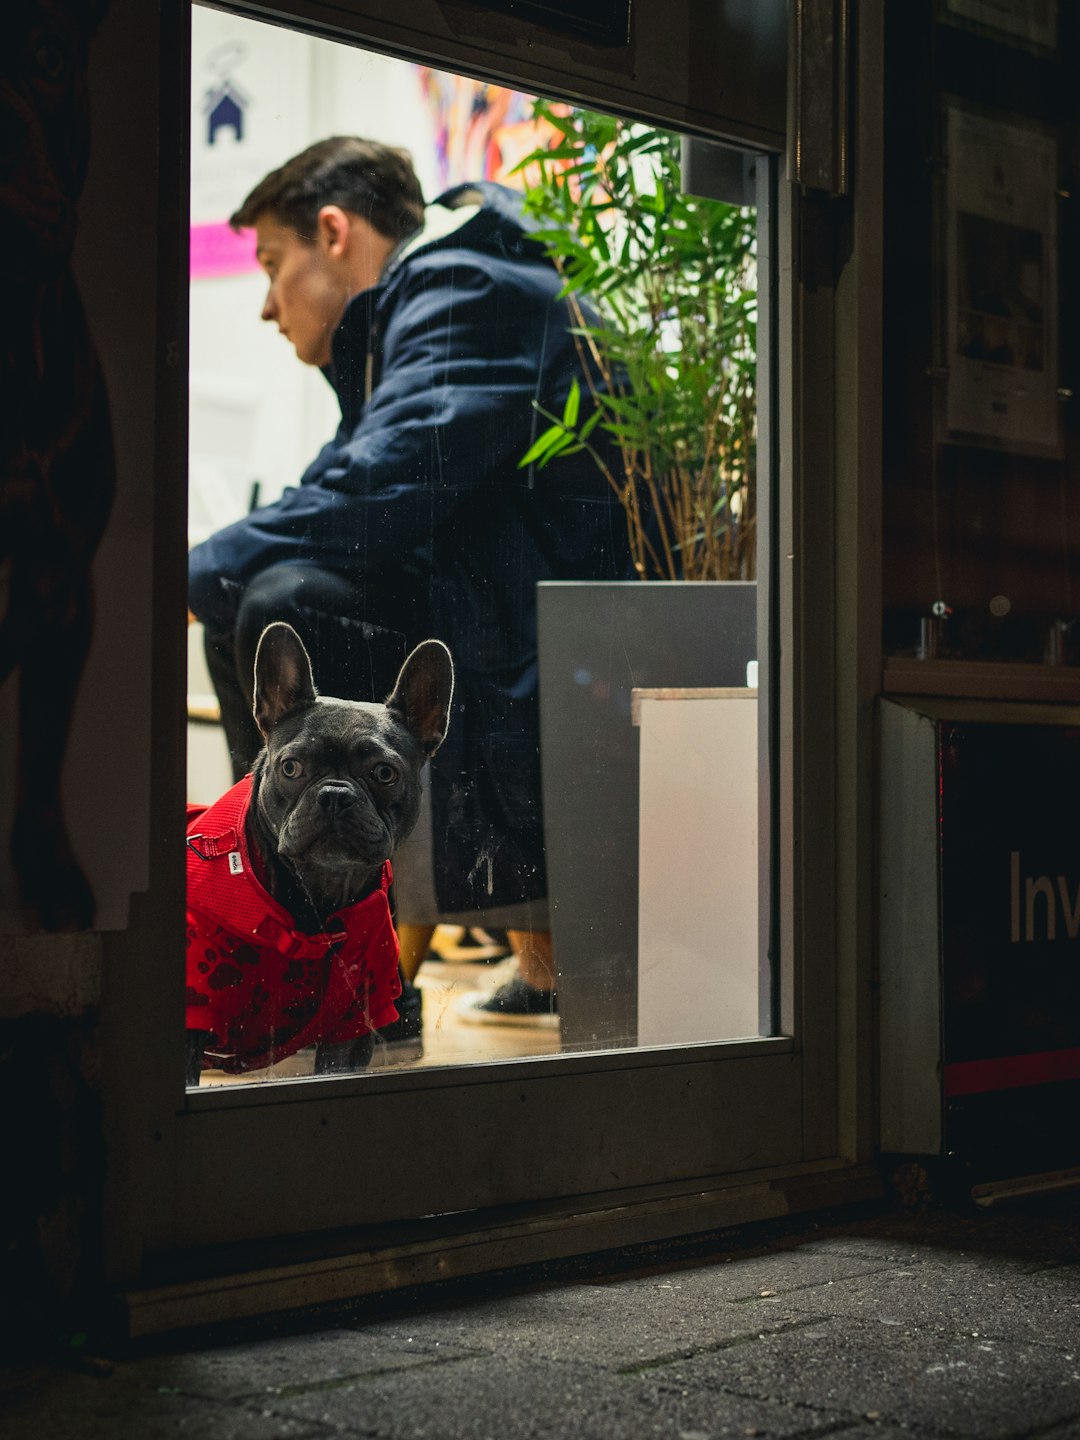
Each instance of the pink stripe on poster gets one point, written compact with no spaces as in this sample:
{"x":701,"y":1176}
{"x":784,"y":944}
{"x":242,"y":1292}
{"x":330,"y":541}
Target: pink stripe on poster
{"x":218,"y":250}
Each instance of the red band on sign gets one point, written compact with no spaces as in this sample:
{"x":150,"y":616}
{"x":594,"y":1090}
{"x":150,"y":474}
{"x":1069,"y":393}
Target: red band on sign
{"x":1008,"y":1072}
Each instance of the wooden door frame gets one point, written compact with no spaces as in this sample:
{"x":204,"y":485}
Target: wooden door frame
{"x":165,"y":1148}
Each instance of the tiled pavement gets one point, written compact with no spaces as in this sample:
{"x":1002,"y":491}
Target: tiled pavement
{"x":958,"y":1325}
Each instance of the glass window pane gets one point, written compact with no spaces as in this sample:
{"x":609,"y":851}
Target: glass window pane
{"x":538,"y":445}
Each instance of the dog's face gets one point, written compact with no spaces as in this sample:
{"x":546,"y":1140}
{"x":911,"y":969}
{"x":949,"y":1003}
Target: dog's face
{"x":337,"y":788}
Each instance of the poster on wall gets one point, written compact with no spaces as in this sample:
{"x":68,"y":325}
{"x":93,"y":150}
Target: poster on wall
{"x":229,"y":149}
{"x":1031,"y":22}
{"x":999,"y":328}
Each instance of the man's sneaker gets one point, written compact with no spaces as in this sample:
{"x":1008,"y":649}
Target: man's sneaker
{"x":468,"y":945}
{"x":403,"y":1039}
{"x":514,"y":1003}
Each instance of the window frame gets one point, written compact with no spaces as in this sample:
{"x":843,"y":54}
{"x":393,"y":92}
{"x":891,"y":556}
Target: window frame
{"x":171,"y":1154}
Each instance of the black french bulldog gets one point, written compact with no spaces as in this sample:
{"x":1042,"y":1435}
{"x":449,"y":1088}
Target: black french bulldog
{"x":290,"y":939}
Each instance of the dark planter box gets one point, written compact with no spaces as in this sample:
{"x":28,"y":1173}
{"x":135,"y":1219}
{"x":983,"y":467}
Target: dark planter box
{"x":598,"y":641}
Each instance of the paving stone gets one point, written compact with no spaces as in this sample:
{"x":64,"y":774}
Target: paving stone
{"x":268,"y":1366}
{"x":874,"y":1430}
{"x":66,"y":1406}
{"x":1035,"y":1231}
{"x":630,"y":1320}
{"x":744,"y":1278}
{"x":879,"y":1251}
{"x":873,"y":1249}
{"x":1069,"y":1431}
{"x":964,"y":1387}
{"x":865,"y":1332}
{"x":576,"y":1325}
{"x":489,"y":1398}
{"x":962,"y":1295}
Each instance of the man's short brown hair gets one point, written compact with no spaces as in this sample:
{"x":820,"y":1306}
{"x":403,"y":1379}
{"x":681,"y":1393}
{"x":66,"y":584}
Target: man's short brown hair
{"x":375,"y":181}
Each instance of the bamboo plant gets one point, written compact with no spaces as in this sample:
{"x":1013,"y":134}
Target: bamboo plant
{"x":662,"y":290}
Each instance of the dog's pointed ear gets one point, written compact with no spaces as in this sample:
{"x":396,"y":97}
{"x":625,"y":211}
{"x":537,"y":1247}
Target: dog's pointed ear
{"x":423,"y":693}
{"x":283,"y":679}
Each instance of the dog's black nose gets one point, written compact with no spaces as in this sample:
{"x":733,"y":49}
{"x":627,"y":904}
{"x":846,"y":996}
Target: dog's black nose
{"x":335,"y":795}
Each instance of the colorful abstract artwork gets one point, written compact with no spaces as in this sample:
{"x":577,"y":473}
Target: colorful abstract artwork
{"x":481,"y":131}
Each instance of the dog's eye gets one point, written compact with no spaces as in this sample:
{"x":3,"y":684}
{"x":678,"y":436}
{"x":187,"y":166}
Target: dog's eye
{"x":384,"y":774}
{"x":291,"y":768}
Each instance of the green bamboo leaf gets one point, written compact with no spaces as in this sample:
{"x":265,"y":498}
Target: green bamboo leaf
{"x":591,"y":424}
{"x":572,"y":406}
{"x":561,"y":446}
{"x":541,"y":446}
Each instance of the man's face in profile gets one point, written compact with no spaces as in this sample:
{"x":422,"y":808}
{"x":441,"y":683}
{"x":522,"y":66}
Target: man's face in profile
{"x":308,"y":292}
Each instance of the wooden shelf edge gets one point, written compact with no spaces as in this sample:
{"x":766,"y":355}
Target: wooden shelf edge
{"x":981,"y":680}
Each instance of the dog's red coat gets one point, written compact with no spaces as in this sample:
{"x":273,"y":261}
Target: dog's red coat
{"x":260,"y":987}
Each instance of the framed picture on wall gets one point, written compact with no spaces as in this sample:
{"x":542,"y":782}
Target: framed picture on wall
{"x":1032,"y":23}
{"x":998,"y":311}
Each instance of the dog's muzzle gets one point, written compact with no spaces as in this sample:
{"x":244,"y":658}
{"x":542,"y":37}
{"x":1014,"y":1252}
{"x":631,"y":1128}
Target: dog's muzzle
{"x":335,"y":797}
{"x":336,"y":814}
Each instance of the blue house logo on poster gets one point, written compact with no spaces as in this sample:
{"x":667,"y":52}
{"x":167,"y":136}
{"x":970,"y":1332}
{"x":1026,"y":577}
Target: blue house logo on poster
{"x":225,"y":106}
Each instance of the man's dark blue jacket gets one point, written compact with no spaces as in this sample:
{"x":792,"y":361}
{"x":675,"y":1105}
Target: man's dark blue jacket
{"x":437,"y":370}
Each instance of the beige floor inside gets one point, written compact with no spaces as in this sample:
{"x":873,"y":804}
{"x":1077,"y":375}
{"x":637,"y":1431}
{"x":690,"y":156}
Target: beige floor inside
{"x":448,"y":1040}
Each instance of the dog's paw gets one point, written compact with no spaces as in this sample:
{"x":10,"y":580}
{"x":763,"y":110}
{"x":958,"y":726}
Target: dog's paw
{"x":345,"y":1058}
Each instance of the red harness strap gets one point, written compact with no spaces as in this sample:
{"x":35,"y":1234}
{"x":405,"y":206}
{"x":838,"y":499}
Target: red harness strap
{"x":259,"y":986}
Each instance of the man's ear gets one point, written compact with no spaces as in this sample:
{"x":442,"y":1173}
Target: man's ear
{"x":333,"y":230}
{"x":283,"y":680}
{"x":423,"y":693}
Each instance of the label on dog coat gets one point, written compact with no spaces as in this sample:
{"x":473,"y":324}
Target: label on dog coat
{"x":236,"y":864}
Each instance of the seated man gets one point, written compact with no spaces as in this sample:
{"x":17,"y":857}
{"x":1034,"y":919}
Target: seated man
{"x":440,"y":330}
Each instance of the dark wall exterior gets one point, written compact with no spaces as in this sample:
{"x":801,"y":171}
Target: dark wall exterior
{"x":55,"y":972}
{"x":51,"y":1273}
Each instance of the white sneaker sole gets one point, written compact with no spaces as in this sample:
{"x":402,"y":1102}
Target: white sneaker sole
{"x":467,"y":1009}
